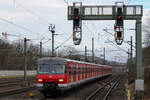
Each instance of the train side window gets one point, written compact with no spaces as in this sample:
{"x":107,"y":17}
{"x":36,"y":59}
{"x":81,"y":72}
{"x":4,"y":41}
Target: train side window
{"x":77,"y":69}
{"x":74,"y":70}
{"x":80,"y":69}
{"x":71,"y":69}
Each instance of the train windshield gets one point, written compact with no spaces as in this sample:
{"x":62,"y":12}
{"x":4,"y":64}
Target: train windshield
{"x":43,"y":68}
{"x":51,"y":69}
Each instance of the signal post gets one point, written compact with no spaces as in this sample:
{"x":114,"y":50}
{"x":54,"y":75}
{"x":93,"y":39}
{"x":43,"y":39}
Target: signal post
{"x":118,"y":12}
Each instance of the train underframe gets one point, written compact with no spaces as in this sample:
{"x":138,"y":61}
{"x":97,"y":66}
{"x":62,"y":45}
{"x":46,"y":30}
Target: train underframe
{"x":50,"y":88}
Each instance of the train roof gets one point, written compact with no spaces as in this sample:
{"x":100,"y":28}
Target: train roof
{"x":66,"y":60}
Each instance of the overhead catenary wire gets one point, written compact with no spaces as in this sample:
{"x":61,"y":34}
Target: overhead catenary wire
{"x":119,"y":47}
{"x":63,"y":42}
{"x":31,"y":12}
{"x":89,"y":29}
{"x":113,"y":35}
{"x":19,"y":26}
{"x":46,"y":41}
{"x":34,"y":14}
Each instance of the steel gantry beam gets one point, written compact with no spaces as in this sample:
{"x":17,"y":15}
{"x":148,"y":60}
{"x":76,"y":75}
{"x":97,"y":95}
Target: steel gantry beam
{"x":108,"y":12}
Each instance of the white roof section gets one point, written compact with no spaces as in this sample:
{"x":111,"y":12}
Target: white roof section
{"x":65,"y":59}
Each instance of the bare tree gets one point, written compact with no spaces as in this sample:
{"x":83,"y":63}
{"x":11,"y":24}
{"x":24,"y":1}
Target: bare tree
{"x":146,"y":30}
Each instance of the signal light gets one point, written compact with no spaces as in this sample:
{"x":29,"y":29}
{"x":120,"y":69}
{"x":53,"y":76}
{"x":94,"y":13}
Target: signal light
{"x":115,"y":35}
{"x":76,"y":20}
{"x":77,"y":17}
{"x":77,"y":23}
{"x":115,"y":27}
{"x":118,"y":28}
{"x":119,"y":17}
{"x":119,"y":35}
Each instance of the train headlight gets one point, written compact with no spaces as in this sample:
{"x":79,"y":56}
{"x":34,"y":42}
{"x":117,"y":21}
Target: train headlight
{"x":40,"y":80}
{"x":61,"y":80}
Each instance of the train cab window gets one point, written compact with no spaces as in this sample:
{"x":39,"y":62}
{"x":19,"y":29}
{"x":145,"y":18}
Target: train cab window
{"x":43,"y":68}
{"x":58,"y":69}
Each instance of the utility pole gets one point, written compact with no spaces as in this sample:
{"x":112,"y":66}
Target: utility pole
{"x":131,"y":60}
{"x":131,"y":50}
{"x":51,"y":28}
{"x":40,"y":49}
{"x":93,"y":50}
{"x":128,"y":63}
{"x":104,"y":56}
{"x":85,"y":53}
{"x":25,"y":60}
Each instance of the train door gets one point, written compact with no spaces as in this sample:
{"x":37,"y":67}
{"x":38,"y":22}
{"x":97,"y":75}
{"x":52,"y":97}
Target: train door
{"x":77,"y":73}
{"x":87,"y":73}
{"x":71,"y":72}
{"x":98,"y":70}
{"x":90,"y":71}
{"x":81,"y":68}
{"x":74,"y":72}
{"x":103,"y":71}
{"x":82,"y":71}
{"x":86,"y":69}
{"x":68,"y":67}
{"x":94,"y":71}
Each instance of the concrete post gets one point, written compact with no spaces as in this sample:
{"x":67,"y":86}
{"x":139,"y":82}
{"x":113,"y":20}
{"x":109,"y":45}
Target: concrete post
{"x":139,"y":84}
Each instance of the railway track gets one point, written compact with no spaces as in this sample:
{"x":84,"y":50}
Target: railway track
{"x":76,"y":94}
{"x":15,"y":86}
{"x":16,"y":90}
{"x":105,"y":89}
{"x":13,"y":80}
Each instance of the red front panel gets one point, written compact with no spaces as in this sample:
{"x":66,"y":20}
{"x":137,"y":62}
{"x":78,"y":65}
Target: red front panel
{"x":51,"y":78}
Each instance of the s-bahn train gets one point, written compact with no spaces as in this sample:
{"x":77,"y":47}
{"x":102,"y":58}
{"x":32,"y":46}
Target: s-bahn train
{"x":59,"y":74}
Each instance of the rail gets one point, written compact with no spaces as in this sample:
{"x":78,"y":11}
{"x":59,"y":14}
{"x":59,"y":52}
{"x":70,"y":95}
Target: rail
{"x":115,"y":81}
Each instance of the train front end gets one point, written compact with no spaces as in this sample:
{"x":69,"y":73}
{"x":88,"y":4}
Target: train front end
{"x":51,"y":75}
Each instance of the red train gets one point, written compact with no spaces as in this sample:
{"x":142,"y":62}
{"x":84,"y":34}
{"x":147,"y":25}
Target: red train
{"x":61,"y":74}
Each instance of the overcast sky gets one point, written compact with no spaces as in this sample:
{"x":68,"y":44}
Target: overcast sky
{"x":36,"y":15}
